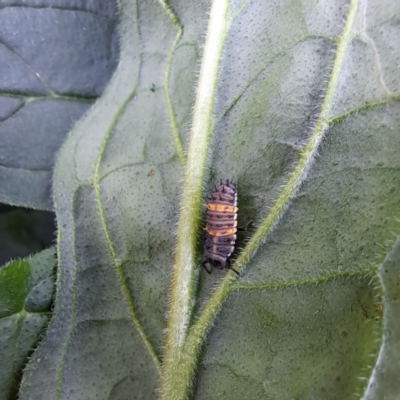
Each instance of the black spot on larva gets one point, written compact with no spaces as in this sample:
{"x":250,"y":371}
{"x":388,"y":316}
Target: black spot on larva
{"x":226,"y":240}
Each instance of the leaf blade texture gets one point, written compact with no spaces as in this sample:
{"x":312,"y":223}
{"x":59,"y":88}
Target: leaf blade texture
{"x":304,"y":118}
{"x":26,"y":292}
{"x":56,"y":59}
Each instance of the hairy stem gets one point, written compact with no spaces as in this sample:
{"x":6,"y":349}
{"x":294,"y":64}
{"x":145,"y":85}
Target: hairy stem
{"x":182,"y":290}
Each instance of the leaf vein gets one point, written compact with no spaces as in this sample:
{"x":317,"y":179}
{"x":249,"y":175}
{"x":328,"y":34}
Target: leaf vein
{"x":23,"y":61}
{"x":117,"y":263}
{"x":366,"y":106}
{"x":24,"y":169}
{"x":303,"y":282}
{"x":57,"y":7}
{"x":176,"y":136}
{"x":30,"y":97}
{"x":371,"y":44}
{"x":264,"y":68}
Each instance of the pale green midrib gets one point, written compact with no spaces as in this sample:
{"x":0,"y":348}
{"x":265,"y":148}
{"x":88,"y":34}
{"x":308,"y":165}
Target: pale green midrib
{"x":182,"y":289}
{"x":117,"y":263}
{"x":201,"y":325}
{"x":189,"y":221}
{"x":176,"y":136}
{"x":304,"y":282}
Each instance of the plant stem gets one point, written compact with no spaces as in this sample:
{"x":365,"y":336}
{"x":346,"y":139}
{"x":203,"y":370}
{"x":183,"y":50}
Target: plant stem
{"x":183,"y":284}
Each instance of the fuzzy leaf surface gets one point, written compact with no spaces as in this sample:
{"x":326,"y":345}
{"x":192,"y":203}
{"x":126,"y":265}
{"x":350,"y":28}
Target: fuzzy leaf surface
{"x":305,"y":119}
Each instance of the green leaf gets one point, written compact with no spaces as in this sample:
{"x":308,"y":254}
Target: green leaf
{"x":56,"y":59}
{"x":298,"y":103}
{"x":26,"y":290}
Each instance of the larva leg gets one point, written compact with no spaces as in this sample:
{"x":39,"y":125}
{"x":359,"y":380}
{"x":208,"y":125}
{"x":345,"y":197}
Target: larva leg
{"x":247,"y":225}
{"x":229,"y":266}
{"x":205,"y":267}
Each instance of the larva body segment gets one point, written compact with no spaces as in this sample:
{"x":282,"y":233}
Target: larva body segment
{"x":221,"y":226}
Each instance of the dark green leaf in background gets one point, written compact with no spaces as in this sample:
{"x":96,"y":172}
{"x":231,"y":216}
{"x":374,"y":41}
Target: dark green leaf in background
{"x":26,"y":291}
{"x":384,"y":383}
{"x":24,"y":232}
{"x":298,"y":102}
{"x":55,"y":60}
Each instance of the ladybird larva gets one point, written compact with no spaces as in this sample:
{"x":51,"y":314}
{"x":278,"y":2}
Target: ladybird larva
{"x":221,"y":227}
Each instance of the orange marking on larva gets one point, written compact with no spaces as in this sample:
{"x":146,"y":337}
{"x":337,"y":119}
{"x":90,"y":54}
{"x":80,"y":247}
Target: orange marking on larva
{"x":224,"y":209}
{"x":212,"y":232}
{"x":218,"y":207}
{"x":221,"y":227}
{"x":228,"y":232}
